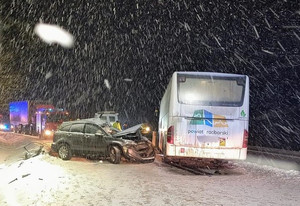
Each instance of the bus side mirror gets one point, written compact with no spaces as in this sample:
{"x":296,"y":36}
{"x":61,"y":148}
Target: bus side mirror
{"x":156,"y":112}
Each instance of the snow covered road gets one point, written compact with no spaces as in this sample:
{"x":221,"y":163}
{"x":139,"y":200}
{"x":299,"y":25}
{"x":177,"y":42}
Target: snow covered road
{"x":48,"y":180}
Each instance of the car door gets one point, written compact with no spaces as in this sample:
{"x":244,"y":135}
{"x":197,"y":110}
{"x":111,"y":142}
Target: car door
{"x":94,"y":138}
{"x":76,"y":136}
{"x":89,"y":137}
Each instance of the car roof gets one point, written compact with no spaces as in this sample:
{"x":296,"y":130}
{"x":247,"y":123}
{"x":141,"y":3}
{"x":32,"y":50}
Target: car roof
{"x":96,"y":121}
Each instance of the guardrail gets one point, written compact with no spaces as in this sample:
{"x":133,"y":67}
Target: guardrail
{"x":273,"y":151}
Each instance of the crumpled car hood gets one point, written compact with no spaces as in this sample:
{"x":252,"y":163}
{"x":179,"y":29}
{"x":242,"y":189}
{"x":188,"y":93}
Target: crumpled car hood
{"x":130,"y":130}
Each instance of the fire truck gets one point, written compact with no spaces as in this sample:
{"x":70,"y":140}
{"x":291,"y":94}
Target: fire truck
{"x":36,"y":118}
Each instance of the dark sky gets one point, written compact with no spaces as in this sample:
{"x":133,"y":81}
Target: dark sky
{"x":147,"y":41}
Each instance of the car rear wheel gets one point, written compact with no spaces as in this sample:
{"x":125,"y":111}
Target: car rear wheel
{"x":64,"y":152}
{"x":115,"y":155}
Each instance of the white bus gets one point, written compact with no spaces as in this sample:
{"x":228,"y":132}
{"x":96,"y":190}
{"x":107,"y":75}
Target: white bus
{"x":205,"y":115}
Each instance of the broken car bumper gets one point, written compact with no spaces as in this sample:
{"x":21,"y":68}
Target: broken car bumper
{"x":141,"y":152}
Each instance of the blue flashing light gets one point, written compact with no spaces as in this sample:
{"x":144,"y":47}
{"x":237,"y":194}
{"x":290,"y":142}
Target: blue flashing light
{"x":19,"y":112}
{"x":4,"y":127}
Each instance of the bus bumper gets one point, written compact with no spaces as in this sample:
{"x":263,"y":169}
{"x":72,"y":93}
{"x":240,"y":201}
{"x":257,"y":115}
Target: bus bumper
{"x":214,"y":153}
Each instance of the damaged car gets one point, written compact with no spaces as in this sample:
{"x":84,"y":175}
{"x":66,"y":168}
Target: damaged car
{"x":91,"y":137}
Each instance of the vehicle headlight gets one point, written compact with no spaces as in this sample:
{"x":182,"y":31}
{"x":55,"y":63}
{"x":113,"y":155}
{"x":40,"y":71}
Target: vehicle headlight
{"x":2,"y":126}
{"x":128,"y":142}
{"x":48,"y":132}
{"x":125,"y":149}
{"x":147,"y":129}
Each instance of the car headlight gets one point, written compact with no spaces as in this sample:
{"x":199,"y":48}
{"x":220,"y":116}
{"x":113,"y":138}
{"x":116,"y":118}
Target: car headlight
{"x":128,"y":142}
{"x":48,"y":132}
{"x":128,"y":146}
{"x":125,"y":149}
{"x":2,"y":126}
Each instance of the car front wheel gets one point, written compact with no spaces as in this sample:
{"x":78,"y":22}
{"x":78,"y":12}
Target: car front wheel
{"x":115,"y":155}
{"x":64,"y":152}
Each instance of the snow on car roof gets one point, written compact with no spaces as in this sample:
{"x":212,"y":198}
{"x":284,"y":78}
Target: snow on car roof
{"x":90,"y":120}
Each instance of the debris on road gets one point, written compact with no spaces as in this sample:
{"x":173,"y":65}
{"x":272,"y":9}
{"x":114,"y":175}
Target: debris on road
{"x":25,"y":175}
{"x":13,"y":180}
{"x":20,"y":164}
{"x":201,"y":166}
{"x":33,"y":149}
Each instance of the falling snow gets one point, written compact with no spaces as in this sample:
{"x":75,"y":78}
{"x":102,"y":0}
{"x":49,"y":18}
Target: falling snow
{"x":125,"y":52}
{"x":106,"y":82}
{"x":48,"y":75}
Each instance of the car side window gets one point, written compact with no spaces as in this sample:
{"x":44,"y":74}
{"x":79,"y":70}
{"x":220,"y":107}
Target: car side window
{"x":91,"y":129}
{"x":66,"y":128}
{"x":77,"y":128}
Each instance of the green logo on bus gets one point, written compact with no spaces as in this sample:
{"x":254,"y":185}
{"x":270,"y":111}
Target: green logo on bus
{"x":243,"y":114}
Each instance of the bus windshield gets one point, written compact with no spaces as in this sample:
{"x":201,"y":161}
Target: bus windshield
{"x":211,"y":90}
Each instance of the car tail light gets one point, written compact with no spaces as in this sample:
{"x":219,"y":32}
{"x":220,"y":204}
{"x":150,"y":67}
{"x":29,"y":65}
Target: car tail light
{"x":245,"y":139}
{"x":170,"y":135}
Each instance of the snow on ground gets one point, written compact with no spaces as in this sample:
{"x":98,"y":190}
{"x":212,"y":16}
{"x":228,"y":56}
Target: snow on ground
{"x":48,"y":180}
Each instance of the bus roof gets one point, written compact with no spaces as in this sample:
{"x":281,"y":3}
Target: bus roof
{"x":208,"y":73}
